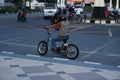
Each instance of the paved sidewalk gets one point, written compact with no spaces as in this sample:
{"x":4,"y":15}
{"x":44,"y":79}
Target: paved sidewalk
{"x":22,"y":67}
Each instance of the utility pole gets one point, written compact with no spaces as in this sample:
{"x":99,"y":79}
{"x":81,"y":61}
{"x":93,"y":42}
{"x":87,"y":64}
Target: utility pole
{"x":117,"y":5}
{"x":83,"y":2}
{"x":30,"y":4}
{"x":110,"y":4}
{"x":24,"y":4}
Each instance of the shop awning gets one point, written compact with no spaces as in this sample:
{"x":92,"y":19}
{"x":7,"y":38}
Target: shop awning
{"x":82,"y":0}
{"x":76,"y":0}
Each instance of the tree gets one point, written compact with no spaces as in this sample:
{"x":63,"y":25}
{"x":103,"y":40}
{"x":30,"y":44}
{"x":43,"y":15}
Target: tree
{"x":17,"y":3}
{"x":41,"y":0}
{"x":48,"y":1}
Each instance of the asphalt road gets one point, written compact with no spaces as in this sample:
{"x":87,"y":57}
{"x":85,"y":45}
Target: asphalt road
{"x":99,"y":44}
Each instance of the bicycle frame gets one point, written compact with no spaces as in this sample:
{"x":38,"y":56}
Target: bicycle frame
{"x":49,"y":37}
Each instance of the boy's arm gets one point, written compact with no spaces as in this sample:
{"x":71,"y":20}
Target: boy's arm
{"x":50,"y":26}
{"x":54,"y":25}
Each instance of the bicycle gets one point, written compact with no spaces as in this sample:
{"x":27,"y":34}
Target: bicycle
{"x":70,"y":51}
{"x":74,"y":18}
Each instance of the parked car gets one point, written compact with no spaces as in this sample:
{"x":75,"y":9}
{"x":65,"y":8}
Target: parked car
{"x":49,"y":10}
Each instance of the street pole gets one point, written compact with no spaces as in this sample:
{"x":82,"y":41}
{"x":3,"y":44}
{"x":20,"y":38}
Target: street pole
{"x":83,"y":2}
{"x":110,"y":6}
{"x":117,"y":5}
{"x":23,"y":4}
{"x":30,"y":4}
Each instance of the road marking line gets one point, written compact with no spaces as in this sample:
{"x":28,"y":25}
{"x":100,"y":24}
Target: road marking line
{"x":93,"y":32}
{"x":87,"y":55}
{"x":114,"y":55}
{"x":12,"y":39}
{"x":92,"y":63}
{"x":17,"y":37}
{"x":33,"y":55}
{"x":76,"y":29}
{"x":105,"y":45}
{"x":118,"y":66}
{"x":94,"y":51}
{"x":18,"y":44}
{"x":35,"y":46}
{"x":86,"y":51}
{"x":7,"y":52}
{"x":110,"y":32}
{"x":60,"y":59}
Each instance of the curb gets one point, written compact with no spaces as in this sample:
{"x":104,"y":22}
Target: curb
{"x":100,"y":21}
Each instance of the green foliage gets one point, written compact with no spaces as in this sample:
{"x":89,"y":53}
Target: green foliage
{"x":41,"y":0}
{"x":77,"y":3}
{"x":10,"y":9}
{"x":16,"y":1}
{"x":48,"y":1}
{"x":88,"y":8}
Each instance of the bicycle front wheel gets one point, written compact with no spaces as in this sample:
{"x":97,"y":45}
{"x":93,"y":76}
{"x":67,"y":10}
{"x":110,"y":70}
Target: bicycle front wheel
{"x":72,"y":51}
{"x":42,"y":47}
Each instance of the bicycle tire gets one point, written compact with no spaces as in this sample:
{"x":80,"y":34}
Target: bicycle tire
{"x":78,"y":19}
{"x":42,"y":47}
{"x":71,"y":19}
{"x":72,"y":51}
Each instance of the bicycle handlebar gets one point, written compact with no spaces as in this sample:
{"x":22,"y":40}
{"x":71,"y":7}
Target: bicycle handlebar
{"x":48,"y":31}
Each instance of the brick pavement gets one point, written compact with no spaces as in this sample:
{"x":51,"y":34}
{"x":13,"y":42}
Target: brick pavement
{"x":24,"y":67}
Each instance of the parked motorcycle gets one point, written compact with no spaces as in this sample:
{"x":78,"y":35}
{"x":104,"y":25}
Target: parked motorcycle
{"x":113,"y":15}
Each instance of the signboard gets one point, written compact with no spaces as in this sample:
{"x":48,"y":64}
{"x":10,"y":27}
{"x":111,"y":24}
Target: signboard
{"x":99,"y":3}
{"x":1,"y":2}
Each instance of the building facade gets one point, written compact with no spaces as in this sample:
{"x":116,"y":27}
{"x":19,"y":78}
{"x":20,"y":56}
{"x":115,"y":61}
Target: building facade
{"x":1,"y":2}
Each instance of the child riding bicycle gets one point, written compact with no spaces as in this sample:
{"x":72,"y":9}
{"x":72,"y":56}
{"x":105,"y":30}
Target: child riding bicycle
{"x":62,"y":26}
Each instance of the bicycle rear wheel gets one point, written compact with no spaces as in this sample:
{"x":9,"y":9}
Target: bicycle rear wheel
{"x":42,"y":47}
{"x":78,"y":19}
{"x":72,"y":51}
{"x":71,"y":19}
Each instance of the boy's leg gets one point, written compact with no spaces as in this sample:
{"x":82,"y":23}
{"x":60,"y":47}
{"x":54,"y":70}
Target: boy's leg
{"x":54,"y":40}
{"x":64,"y":38}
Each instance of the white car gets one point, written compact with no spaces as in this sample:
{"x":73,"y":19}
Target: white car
{"x":49,"y":10}
{"x":76,"y":7}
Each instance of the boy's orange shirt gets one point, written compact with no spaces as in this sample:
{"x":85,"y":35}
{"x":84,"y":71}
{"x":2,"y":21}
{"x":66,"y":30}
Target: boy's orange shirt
{"x":58,"y":25}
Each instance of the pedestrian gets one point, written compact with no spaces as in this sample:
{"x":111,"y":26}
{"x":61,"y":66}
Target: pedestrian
{"x":107,"y":12}
{"x":79,"y":11}
{"x":19,"y":14}
{"x":71,"y":9}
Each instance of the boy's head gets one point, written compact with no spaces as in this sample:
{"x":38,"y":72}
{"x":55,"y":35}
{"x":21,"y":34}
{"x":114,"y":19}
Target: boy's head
{"x":62,"y":18}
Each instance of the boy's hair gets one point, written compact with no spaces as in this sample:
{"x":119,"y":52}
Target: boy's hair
{"x":62,"y":18}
